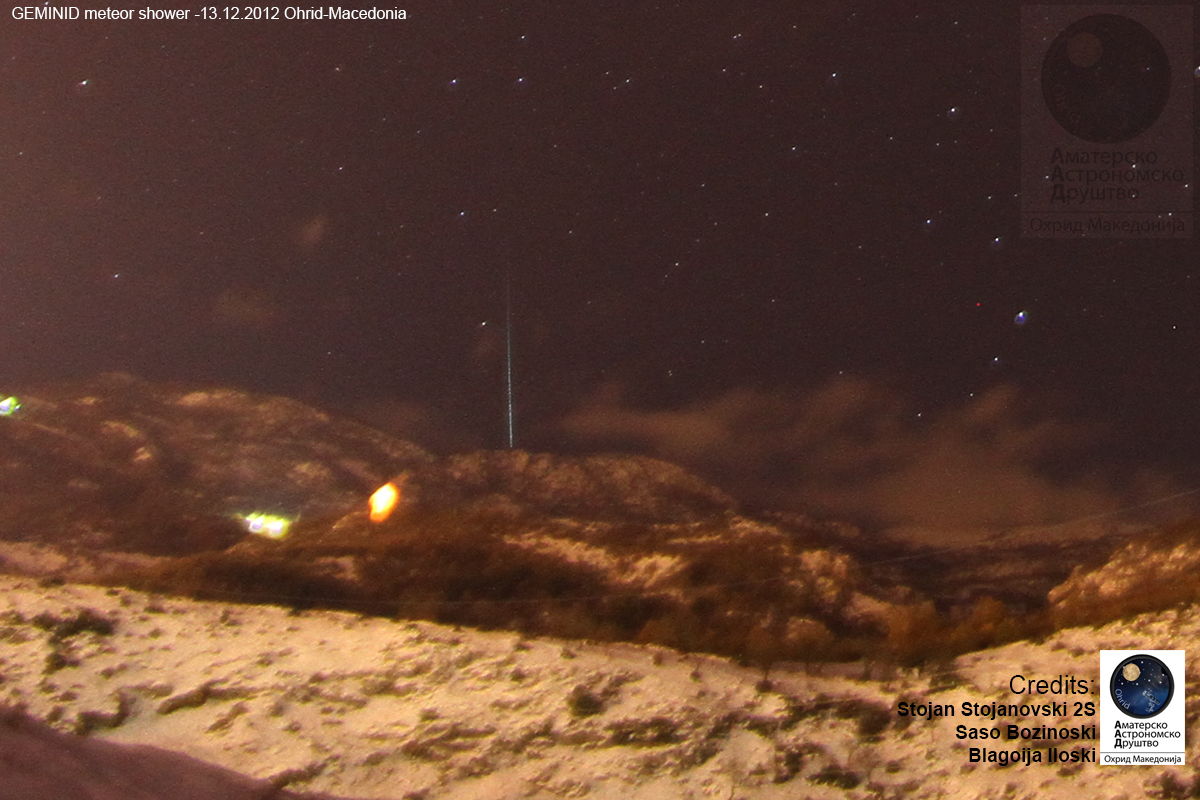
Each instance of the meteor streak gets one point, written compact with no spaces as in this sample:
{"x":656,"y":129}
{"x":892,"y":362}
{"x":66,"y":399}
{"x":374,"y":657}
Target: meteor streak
{"x":508,"y":362}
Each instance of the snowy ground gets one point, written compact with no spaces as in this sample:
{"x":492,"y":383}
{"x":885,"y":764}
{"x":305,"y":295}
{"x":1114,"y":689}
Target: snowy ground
{"x":371,"y":708}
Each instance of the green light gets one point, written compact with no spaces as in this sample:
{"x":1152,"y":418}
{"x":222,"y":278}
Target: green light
{"x":9,"y":406}
{"x":271,"y":526}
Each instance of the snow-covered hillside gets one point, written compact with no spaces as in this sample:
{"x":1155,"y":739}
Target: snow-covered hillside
{"x":372,"y":708}
{"x":1155,"y":570}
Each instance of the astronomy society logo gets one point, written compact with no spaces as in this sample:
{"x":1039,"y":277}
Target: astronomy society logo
{"x":1141,"y":707}
{"x":1106,"y":121}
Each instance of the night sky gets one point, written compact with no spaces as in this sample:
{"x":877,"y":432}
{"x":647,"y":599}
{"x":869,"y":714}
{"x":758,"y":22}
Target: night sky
{"x":776,"y":241}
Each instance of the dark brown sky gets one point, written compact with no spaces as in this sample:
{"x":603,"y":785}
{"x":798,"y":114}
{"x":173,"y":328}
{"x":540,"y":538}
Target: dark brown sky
{"x":700,"y":201}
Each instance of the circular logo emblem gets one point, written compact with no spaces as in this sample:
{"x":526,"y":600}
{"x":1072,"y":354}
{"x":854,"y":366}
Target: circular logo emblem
{"x":1141,"y":686}
{"x":1106,"y":78}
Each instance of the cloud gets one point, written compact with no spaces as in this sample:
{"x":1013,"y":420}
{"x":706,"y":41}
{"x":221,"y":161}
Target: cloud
{"x":312,"y":231}
{"x":249,"y":309}
{"x":861,"y":450}
{"x":423,"y":425}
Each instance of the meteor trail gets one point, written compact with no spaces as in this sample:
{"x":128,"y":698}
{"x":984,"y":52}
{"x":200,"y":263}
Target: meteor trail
{"x":508,"y":361}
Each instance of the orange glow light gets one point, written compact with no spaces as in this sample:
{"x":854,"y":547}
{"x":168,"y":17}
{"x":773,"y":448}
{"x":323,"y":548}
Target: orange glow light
{"x":383,"y":502}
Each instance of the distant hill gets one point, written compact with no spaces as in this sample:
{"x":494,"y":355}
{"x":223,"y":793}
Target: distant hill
{"x":1154,"y":570}
{"x":121,"y":480}
{"x":124,"y":464}
{"x":128,"y":481}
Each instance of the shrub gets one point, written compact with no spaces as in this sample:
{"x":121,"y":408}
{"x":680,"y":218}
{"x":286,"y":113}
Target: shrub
{"x":653,"y":732}
{"x":56,"y":659}
{"x":833,"y":775}
{"x":915,"y":632}
{"x":583,"y":702}
{"x":218,"y":576}
{"x":84,"y":621}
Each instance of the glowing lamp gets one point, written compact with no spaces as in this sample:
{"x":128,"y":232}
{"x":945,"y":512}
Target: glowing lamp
{"x":383,"y":502}
{"x":9,"y":406}
{"x":268,"y":525}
